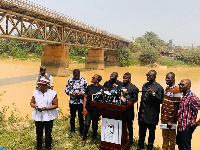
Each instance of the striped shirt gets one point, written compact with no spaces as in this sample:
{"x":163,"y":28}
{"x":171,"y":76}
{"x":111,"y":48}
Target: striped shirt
{"x":188,"y":110}
{"x":172,"y":98}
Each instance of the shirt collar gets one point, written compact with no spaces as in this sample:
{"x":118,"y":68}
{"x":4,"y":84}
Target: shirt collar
{"x":171,"y":87}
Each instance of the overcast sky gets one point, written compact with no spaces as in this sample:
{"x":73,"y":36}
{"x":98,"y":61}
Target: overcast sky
{"x":178,"y":20}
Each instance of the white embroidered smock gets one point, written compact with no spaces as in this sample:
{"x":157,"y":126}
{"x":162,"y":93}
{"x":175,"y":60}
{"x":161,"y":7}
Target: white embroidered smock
{"x":44,"y":101}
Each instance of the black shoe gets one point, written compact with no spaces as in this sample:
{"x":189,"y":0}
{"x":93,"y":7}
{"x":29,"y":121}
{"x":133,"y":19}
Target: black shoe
{"x":83,"y":143}
{"x":71,"y":135}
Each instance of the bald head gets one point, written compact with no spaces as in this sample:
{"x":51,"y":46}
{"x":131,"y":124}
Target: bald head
{"x":184,"y":86}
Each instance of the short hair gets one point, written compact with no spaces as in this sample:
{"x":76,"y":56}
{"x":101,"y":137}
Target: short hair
{"x":76,"y":71}
{"x":155,"y":73}
{"x":173,"y":74}
{"x":99,"y":77}
{"x":115,"y":73}
{"x":127,"y":74}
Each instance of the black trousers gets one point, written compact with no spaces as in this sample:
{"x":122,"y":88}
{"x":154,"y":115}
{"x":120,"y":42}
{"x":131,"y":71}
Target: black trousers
{"x":129,"y":121}
{"x":73,"y":109}
{"x":92,"y":114}
{"x":142,"y":134}
{"x":48,"y":125}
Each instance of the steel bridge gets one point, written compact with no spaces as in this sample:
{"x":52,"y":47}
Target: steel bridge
{"x":27,"y":21}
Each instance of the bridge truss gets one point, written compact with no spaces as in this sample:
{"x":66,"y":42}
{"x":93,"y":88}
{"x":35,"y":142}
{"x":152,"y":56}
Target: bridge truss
{"x":24,"y":20}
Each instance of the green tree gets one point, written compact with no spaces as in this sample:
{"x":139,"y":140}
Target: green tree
{"x":148,"y":56}
{"x":123,"y":55}
{"x":155,"y":41}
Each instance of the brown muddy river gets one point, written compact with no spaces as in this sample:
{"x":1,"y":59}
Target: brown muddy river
{"x":18,"y":79}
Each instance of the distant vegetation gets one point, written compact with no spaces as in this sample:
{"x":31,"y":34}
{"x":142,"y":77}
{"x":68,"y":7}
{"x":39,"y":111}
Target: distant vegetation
{"x":148,"y":49}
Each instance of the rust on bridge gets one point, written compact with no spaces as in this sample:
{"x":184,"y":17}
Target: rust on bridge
{"x":25,"y":20}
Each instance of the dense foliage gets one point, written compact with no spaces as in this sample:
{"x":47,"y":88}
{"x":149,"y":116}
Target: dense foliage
{"x":191,"y":57}
{"x":123,"y":55}
{"x":78,"y":54}
{"x":148,"y":56}
{"x":20,"y":49}
{"x":144,"y":50}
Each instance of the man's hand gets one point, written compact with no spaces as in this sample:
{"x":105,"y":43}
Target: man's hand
{"x":195,"y":124}
{"x":80,"y":94}
{"x":150,"y":91}
{"x":169,"y":125}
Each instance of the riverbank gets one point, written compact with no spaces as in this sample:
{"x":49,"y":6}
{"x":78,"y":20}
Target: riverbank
{"x":20,"y":92}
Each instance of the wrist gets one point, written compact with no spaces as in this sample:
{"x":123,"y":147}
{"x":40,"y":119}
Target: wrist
{"x":197,"y":123}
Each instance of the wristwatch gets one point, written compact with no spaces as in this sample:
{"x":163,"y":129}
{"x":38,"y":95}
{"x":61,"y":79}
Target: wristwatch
{"x":154,"y":94}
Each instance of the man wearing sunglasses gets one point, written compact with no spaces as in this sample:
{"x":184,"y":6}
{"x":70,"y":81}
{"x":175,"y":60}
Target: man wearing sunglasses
{"x":188,"y":110}
{"x":148,"y":116}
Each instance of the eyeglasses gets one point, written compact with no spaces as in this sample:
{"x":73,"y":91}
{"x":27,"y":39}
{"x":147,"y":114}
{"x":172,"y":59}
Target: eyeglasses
{"x":181,"y":84}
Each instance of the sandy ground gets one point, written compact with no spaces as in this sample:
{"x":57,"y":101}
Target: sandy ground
{"x":18,"y":79}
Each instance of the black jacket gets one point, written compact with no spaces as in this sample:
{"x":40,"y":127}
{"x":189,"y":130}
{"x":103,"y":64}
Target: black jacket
{"x":150,"y":105}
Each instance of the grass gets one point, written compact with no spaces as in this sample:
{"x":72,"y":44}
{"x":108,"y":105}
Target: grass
{"x":19,"y":133}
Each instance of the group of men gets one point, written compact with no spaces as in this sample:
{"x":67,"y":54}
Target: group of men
{"x":174,"y":108}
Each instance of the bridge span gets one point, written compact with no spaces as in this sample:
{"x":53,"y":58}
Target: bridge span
{"x":27,"y":21}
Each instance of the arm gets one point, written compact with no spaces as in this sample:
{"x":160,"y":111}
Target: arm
{"x":68,"y":89}
{"x":32,"y":103}
{"x":84,"y":103}
{"x":83,"y":88}
{"x":158,"y":95}
{"x":196,"y":106}
{"x":53,"y":106}
{"x":134,"y":95}
{"x":51,"y":82}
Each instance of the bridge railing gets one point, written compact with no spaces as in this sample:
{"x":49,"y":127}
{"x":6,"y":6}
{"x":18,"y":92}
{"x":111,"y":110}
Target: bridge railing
{"x":32,"y":7}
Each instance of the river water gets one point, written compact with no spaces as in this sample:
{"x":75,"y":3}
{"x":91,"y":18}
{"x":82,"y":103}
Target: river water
{"x":18,"y":79}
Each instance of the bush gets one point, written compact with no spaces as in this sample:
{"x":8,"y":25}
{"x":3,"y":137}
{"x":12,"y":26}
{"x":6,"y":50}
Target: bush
{"x":78,"y":51}
{"x":148,"y":56}
{"x":191,"y":57}
{"x":123,"y":55}
{"x":169,"y":61}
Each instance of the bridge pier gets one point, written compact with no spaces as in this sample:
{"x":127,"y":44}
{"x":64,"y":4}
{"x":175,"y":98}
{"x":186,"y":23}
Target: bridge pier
{"x":111,"y":58}
{"x":95,"y":59}
{"x":56,"y":60}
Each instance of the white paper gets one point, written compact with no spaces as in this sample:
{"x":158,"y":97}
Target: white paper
{"x":164,"y":126}
{"x":111,"y":130}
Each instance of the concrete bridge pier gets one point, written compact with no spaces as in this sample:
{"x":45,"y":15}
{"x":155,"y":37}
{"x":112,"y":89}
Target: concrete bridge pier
{"x":111,"y":58}
{"x":95,"y":59}
{"x":56,"y":60}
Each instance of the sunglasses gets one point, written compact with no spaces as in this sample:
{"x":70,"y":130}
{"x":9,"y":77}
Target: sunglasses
{"x":93,"y":78}
{"x":181,"y":84}
{"x":148,"y":75}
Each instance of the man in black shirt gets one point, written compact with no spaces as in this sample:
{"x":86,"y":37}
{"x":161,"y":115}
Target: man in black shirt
{"x":113,"y":83}
{"x":131,"y":97}
{"x":148,"y":116}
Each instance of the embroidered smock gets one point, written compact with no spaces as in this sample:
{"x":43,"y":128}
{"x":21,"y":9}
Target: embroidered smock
{"x":172,"y":97}
{"x":44,"y":100}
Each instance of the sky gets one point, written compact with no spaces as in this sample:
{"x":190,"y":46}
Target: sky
{"x":176,"y":20}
